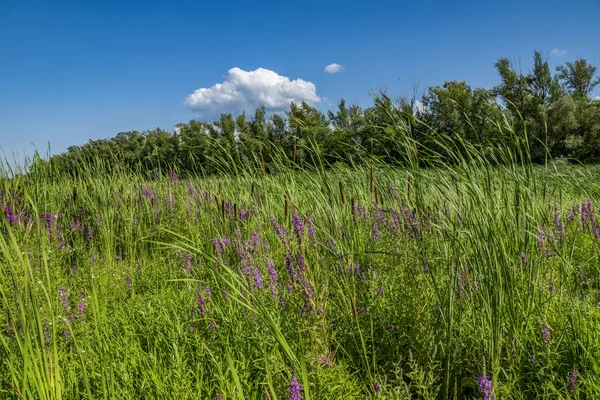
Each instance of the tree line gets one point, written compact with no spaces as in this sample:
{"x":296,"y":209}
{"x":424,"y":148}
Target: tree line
{"x":553,"y":110}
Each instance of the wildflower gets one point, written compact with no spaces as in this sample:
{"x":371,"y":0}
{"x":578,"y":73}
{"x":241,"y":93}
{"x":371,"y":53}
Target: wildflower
{"x":258,"y":279}
{"x":201,"y":301}
{"x":188,"y":262}
{"x":581,"y":275}
{"x":523,"y":259}
{"x":379,"y":291}
{"x":90,"y":234}
{"x":534,"y":358}
{"x":120,"y":256}
{"x":546,"y":335}
{"x":425,"y":266}
{"x":212,"y":326}
{"x":295,"y":389}
{"x":81,"y":305}
{"x":572,"y":381}
{"x":63,"y":298}
{"x":324,"y":360}
{"x":128,"y":282}
{"x":207,"y":291}
{"x":375,"y":232}
{"x":298,"y":226}
{"x":376,"y":386}
{"x":74,"y":270}
{"x":390,"y":327}
{"x":485,"y":387}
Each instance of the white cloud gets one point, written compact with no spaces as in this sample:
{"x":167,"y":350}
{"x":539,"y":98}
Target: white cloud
{"x":419,"y":107}
{"x":597,"y":98}
{"x":247,"y":90}
{"x":558,"y":52}
{"x":333,"y":68}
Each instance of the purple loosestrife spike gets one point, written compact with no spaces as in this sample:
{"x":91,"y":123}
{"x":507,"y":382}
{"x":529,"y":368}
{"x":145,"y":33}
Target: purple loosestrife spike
{"x":120,"y":256}
{"x":63,"y":298}
{"x":534,"y":358}
{"x":258,"y":279}
{"x":572,"y":381}
{"x":128,"y":282}
{"x":324,"y":360}
{"x":485,"y":387}
{"x":425,"y":266}
{"x":298,"y":226}
{"x":90,"y":234}
{"x":523,"y":259}
{"x":581,"y":275}
{"x":201,"y":301}
{"x":379,"y":291}
{"x":295,"y":389}
{"x":74,"y":270}
{"x":546,"y":335}
{"x":376,"y":386}
{"x":375,"y":232}
{"x":207,"y":291}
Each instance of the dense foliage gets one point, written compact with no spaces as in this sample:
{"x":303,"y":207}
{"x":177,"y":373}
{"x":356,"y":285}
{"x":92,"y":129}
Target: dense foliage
{"x":474,"y":278}
{"x":555,"y":112}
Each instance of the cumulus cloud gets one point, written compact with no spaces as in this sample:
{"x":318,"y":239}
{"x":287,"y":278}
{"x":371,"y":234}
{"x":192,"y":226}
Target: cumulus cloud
{"x":247,"y":90}
{"x":419,"y":107}
{"x":597,"y":98}
{"x":333,"y":68}
{"x":558,"y":52}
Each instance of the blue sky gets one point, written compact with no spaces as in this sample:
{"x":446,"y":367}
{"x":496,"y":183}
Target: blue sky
{"x":71,"y":71}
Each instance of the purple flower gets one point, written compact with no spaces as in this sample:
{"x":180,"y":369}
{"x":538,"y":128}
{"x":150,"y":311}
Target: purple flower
{"x":298,"y":226}
{"x":534,"y":358}
{"x":90,"y":234}
{"x":63,"y":298}
{"x":546,"y":335}
{"x":128,"y":282}
{"x":201,"y":301}
{"x":523,"y":259}
{"x":376,"y":234}
{"x":324,"y":360}
{"x":425,"y":266}
{"x":295,"y":389}
{"x":376,"y":386}
{"x":390,"y":327}
{"x":485,"y":387}
{"x":572,"y":381}
{"x":581,"y":275}
{"x":379,"y":291}
{"x":74,"y":270}
{"x":258,"y":279}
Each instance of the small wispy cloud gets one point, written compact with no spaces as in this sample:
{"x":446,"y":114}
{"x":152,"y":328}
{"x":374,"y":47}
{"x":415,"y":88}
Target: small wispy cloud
{"x":334,"y":68}
{"x":558,"y":52}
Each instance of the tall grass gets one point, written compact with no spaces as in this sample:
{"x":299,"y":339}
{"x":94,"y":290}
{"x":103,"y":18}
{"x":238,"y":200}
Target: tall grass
{"x":416,"y":282}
